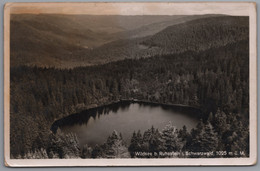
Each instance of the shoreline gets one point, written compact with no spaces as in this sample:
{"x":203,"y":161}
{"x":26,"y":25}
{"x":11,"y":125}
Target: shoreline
{"x":88,"y":112}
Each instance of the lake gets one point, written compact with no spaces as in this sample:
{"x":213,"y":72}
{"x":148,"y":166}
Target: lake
{"x":94,"y":125}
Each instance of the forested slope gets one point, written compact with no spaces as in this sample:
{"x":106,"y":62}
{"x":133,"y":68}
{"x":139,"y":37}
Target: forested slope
{"x":200,"y":34}
{"x":195,"y":35}
{"x":51,"y":43}
{"x":216,"y":78}
{"x":48,"y":40}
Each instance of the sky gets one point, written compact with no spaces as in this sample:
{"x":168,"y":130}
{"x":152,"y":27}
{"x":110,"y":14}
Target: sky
{"x":148,"y":8}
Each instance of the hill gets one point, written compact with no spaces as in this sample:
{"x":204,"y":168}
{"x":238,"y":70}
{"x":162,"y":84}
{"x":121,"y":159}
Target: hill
{"x":195,"y":35}
{"x":200,"y":34}
{"x":69,"y":41}
{"x":211,"y":79}
{"x":53,"y":40}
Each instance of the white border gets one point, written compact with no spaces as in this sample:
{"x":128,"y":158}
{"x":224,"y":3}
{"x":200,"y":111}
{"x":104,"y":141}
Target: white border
{"x":140,"y":8}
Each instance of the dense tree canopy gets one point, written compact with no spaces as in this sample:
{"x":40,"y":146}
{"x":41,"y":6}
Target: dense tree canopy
{"x":213,"y":79}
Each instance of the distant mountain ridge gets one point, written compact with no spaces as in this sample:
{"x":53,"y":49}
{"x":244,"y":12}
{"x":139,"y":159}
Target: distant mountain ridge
{"x":61,"y":41}
{"x":196,"y":35}
{"x":201,"y":34}
{"x":51,"y":39}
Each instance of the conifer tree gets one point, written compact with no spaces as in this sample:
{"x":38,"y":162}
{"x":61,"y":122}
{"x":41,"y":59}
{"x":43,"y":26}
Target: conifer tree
{"x":86,"y":152}
{"x":115,"y":147}
{"x":209,"y":138}
{"x":170,"y":138}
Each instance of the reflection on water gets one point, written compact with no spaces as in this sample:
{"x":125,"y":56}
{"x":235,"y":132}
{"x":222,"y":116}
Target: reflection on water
{"x":93,"y":126}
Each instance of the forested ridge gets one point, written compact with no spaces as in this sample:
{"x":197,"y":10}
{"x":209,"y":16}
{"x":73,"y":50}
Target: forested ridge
{"x":44,"y":38}
{"x":196,"y":35}
{"x":55,"y":43}
{"x":215,"y":80}
{"x":200,"y":34}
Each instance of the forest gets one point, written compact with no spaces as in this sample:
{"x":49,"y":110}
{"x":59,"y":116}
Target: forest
{"x":50,"y":41}
{"x":214,"y":80}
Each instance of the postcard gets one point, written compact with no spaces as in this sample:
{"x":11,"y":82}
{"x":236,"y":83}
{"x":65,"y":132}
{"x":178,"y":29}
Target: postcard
{"x":130,"y":84}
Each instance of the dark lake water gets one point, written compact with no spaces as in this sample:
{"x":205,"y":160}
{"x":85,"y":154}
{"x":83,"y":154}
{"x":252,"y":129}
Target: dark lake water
{"x":93,"y":126}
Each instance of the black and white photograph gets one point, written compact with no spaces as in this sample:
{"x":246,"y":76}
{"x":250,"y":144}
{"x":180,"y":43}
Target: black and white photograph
{"x":147,"y":83}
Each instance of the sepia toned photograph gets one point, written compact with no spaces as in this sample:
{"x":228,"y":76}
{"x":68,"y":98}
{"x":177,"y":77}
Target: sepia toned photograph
{"x":130,"y":84}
